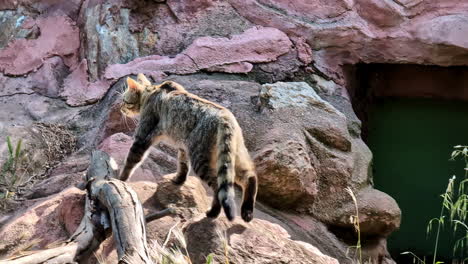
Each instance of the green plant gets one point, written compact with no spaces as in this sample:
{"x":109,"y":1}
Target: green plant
{"x":9,"y":173}
{"x":458,"y":208}
{"x":447,"y":202}
{"x":354,"y":219}
{"x":455,"y":208}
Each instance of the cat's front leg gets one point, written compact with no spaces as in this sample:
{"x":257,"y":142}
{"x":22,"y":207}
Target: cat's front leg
{"x":135,"y":156}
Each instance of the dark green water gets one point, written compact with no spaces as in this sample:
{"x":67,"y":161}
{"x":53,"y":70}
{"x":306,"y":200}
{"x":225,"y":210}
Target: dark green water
{"x":412,"y":140}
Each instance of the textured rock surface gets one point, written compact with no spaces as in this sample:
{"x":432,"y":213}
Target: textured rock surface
{"x":157,"y":165}
{"x":59,"y":36}
{"x":228,"y":55}
{"x":279,"y":65}
{"x":44,"y":223}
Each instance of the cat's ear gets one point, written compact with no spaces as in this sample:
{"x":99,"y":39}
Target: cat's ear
{"x":143,"y":80}
{"x":133,"y":85}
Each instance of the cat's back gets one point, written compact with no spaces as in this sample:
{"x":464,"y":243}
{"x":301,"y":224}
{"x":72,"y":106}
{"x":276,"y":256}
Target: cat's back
{"x":184,"y":103}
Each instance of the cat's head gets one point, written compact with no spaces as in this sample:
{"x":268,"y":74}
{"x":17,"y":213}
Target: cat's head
{"x":133,"y":95}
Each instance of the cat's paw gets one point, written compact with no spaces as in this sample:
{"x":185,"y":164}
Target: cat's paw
{"x":247,"y":215}
{"x":178,"y":180}
{"x":213,"y":212}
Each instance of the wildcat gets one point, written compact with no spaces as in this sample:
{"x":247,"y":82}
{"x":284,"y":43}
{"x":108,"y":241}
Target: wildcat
{"x":207,"y":136}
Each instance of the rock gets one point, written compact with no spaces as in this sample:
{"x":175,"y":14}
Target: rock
{"x":379,"y":213}
{"x":54,"y":184}
{"x":312,"y":10}
{"x":286,"y":175}
{"x":380,"y":12}
{"x":292,"y":94}
{"x":46,"y":7}
{"x":70,"y":211}
{"x":183,"y":10}
{"x":12,"y":22}
{"x":152,"y":169}
{"x":59,"y":36}
{"x":444,"y":30}
{"x":79,"y":91}
{"x":306,"y":143}
{"x":323,"y":86}
{"x":368,"y":37}
{"x":237,"y":67}
{"x":43,"y":145}
{"x":116,"y":122}
{"x":179,"y":23}
{"x":302,"y":147}
{"x":24,"y":109}
{"x":254,"y":45}
{"x":257,"y":242}
{"x":46,"y":81}
{"x":283,"y":68}
{"x":43,"y":223}
{"x":69,"y":172}
{"x":304,"y":52}
{"x":108,"y":38}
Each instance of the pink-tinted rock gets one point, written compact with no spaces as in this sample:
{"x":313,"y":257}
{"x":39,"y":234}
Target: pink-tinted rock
{"x":8,"y":4}
{"x":286,"y":175}
{"x":237,"y":67}
{"x":153,"y":168}
{"x":362,"y":34}
{"x":254,"y":45}
{"x":59,"y":36}
{"x":71,"y":211}
{"x":379,"y":213}
{"x":380,"y":12}
{"x":150,"y":65}
{"x":49,"y":7}
{"x":185,"y":10}
{"x":68,"y":173}
{"x":43,"y":223}
{"x":450,"y":30}
{"x":46,"y":81}
{"x":311,"y":10}
{"x":257,"y":242}
{"x":117,"y":146}
{"x":116,"y":122}
{"x":79,"y":91}
{"x":304,"y":52}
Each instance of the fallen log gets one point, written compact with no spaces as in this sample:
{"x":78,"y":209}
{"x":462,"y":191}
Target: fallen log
{"x":110,"y":205}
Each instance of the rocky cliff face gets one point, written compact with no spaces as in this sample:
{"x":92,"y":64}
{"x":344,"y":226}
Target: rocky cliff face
{"x":278,"y":65}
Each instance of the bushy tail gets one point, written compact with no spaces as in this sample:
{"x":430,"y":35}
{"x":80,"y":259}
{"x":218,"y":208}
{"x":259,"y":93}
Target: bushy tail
{"x":226,"y":168}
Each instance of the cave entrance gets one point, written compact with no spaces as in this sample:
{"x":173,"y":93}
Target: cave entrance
{"x":412,"y":117}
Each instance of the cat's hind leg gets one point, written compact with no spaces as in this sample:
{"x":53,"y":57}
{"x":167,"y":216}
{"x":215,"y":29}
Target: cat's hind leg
{"x":182,"y":167}
{"x":246,"y":178}
{"x":215,"y":205}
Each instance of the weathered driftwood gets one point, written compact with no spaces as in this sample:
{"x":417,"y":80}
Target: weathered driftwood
{"x":110,"y":203}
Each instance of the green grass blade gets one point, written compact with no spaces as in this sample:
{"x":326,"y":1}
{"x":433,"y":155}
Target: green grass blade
{"x":10,"y":146}
{"x":18,"y":149}
{"x":209,"y":259}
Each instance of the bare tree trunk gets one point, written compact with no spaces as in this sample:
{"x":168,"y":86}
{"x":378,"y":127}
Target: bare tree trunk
{"x":110,"y":203}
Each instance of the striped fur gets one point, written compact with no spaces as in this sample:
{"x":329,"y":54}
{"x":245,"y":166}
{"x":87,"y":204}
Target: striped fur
{"x":208,"y":136}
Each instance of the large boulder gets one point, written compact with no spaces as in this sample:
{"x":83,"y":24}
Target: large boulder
{"x":64,"y":62}
{"x":257,"y":242}
{"x":153,"y":168}
{"x":46,"y":222}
